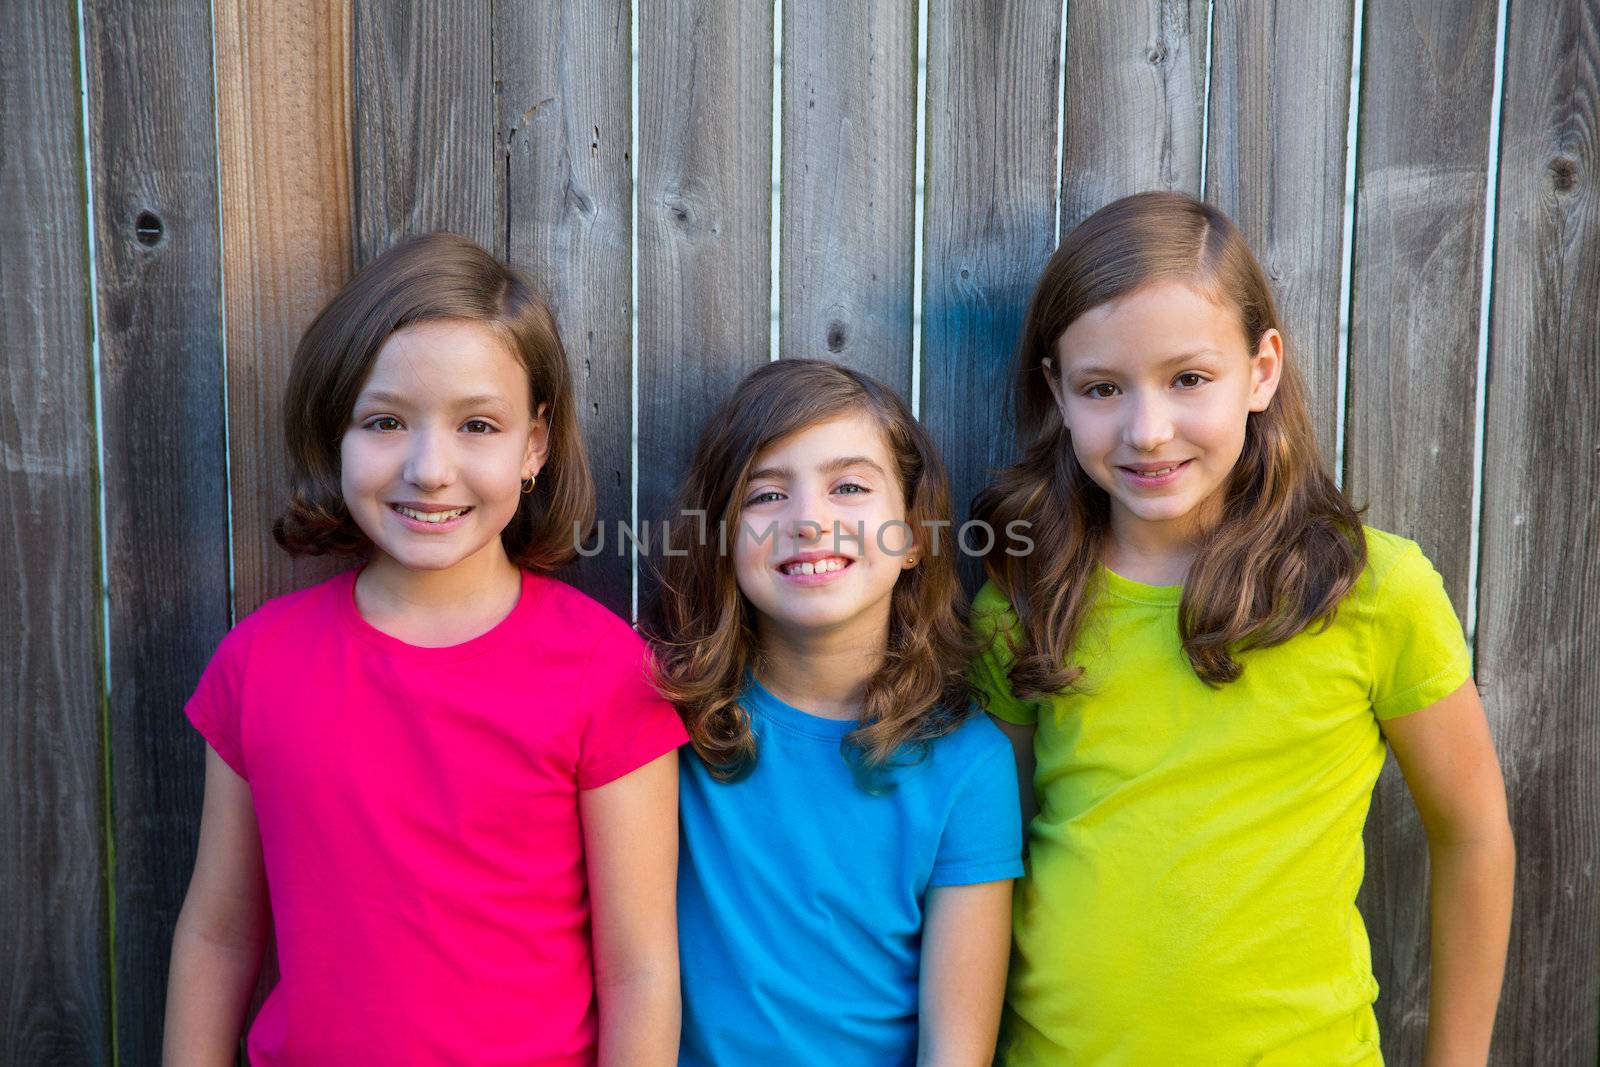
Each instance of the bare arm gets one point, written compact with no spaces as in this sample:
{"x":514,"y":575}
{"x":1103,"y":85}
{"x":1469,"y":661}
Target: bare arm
{"x":1449,"y":763}
{"x":222,"y":929}
{"x":966,"y":944}
{"x":1021,"y":738}
{"x":630,"y":835}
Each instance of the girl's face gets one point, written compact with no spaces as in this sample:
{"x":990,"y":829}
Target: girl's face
{"x":439,"y":442}
{"x":1155,"y":388}
{"x":822,"y":536}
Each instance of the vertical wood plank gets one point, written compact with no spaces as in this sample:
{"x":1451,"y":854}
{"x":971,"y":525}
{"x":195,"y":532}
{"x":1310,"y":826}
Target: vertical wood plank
{"x":1276,"y":163}
{"x":1427,"y":78}
{"x":1135,"y":101}
{"x":426,"y":157}
{"x":1538,"y":645}
{"x":705,"y":239}
{"x":566,"y":118}
{"x":849,"y":184}
{"x":283,"y":120}
{"x":154,"y":201}
{"x":989,"y":218}
{"x":54,"y":957}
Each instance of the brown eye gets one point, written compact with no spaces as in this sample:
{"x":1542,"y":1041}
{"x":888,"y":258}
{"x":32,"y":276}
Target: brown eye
{"x":1189,"y":379}
{"x":1101,"y":391}
{"x":383,"y":423}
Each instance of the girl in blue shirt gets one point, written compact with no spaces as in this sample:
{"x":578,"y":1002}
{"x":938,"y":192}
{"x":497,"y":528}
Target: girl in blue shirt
{"x":850,"y":832}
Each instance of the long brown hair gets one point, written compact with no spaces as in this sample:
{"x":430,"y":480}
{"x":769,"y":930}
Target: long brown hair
{"x":423,"y":279}
{"x":1288,"y":546}
{"x":702,"y":626}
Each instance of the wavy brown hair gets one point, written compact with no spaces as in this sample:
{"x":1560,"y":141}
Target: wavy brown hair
{"x":1288,"y":546}
{"x":424,"y":279}
{"x":702,"y":627}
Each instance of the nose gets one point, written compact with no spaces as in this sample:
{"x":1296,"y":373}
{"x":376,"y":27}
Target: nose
{"x":430,"y":464}
{"x":1149,"y":424}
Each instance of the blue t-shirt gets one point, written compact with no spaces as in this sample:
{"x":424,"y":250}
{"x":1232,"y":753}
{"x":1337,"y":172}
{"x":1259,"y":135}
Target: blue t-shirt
{"x":801,"y":895}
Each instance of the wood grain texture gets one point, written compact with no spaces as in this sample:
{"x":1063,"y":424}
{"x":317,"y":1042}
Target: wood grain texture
{"x":566,"y":119}
{"x":1427,"y":78}
{"x":283,"y":121}
{"x":1135,"y":101}
{"x":426,"y":156}
{"x":705,"y":239}
{"x":1538,"y":642}
{"x":848,"y":196}
{"x":1275,"y":162}
{"x":154,"y":201}
{"x":989,"y":220}
{"x":54,"y":956}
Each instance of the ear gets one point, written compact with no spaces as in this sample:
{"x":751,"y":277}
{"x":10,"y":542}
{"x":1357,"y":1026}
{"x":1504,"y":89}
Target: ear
{"x":1266,"y":370}
{"x":537,"y":453}
{"x":1052,"y":379}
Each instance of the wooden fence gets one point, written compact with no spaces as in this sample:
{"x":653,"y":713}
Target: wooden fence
{"x":188,"y":180}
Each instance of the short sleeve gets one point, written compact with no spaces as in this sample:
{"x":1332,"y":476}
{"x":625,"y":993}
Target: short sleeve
{"x":214,"y":709}
{"x":982,"y":839}
{"x":993,"y":625}
{"x":626,"y":722}
{"x":1419,"y":654}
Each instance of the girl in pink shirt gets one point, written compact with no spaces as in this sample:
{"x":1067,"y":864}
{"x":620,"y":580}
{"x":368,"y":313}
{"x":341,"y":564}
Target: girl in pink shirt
{"x":445,"y":775}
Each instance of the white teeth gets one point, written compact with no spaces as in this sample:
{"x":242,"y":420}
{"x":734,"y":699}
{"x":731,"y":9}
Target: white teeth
{"x":821,"y":566}
{"x":430,"y":516}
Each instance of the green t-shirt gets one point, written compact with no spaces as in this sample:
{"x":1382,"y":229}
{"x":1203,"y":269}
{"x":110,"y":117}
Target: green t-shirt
{"x":1192,"y":872}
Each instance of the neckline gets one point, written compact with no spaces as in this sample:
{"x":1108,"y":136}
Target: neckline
{"x":1139,"y":592}
{"x":494,"y":637}
{"x":793,"y":719}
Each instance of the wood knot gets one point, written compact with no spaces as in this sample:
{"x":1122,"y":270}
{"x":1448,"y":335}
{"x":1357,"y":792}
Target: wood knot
{"x":148,"y":229}
{"x":838,"y":334}
{"x":1564,"y":174}
{"x":1157,"y":54}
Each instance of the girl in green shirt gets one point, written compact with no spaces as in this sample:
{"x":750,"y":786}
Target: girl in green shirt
{"x":1199,"y":662}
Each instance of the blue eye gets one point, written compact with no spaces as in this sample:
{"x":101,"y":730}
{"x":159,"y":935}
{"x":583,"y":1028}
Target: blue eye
{"x":764,"y":498}
{"x":853,"y":488}
{"x":383,"y":424}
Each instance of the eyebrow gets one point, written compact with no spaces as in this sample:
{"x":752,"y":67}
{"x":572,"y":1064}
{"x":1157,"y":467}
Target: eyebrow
{"x":481,"y":400}
{"x":832,"y":466}
{"x":1095,"y":370}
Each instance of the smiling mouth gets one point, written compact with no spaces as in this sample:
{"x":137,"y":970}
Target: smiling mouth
{"x":430,"y":516}
{"x":820,"y":566}
{"x":1155,"y":472}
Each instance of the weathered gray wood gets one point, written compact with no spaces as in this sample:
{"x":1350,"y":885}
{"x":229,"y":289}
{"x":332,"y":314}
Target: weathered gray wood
{"x":426,"y":156}
{"x":1538,"y":642}
{"x":283,"y":121}
{"x":154,"y":201}
{"x":1275,"y":162}
{"x":54,"y":957}
{"x":565,"y":114}
{"x":1427,"y":78}
{"x":989,"y":220}
{"x":1135,"y":100}
{"x":705,"y":240}
{"x":849,"y":183}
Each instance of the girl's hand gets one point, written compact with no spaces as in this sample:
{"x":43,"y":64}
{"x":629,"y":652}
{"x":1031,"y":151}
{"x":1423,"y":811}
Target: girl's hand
{"x":966,"y":945}
{"x":222,"y":929}
{"x":630,"y":839}
{"x":1449,"y":763}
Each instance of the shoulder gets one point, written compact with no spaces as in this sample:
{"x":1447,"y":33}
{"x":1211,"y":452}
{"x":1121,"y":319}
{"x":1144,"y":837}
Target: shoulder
{"x":976,"y":741}
{"x":294,"y":615}
{"x":567,"y":616}
{"x":1397,"y":571}
{"x":992,"y":614}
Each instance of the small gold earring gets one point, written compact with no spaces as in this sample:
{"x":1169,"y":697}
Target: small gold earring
{"x":911,"y":561}
{"x":527,"y":483}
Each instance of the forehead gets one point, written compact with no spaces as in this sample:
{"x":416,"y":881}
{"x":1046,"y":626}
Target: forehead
{"x":1151,"y":324}
{"x":851,"y":434}
{"x":440,"y":361}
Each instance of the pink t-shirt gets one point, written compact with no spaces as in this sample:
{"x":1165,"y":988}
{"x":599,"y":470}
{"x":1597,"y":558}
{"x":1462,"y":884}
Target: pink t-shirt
{"x":419,"y":821}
